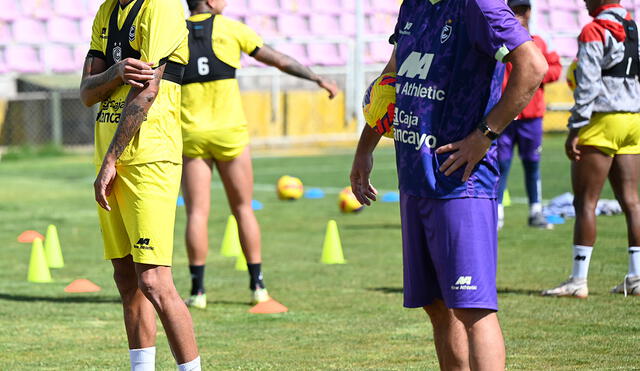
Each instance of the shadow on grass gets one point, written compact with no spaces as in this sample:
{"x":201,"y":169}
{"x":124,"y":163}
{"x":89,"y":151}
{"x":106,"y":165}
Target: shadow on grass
{"x":371,"y":226}
{"x":386,"y":290}
{"x":229,"y":302}
{"x":61,"y":299}
{"x":508,"y":290}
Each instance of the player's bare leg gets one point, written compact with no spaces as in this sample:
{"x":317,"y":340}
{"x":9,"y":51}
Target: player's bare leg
{"x":486,"y":344}
{"x":156,"y":283}
{"x":237,"y":177}
{"x":588,"y":176}
{"x":196,"y":190}
{"x":624,"y":177}
{"x":139,"y":314}
{"x":450,"y":337}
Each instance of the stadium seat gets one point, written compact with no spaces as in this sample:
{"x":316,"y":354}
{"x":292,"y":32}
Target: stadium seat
{"x":94,"y":5}
{"x":325,"y":25}
{"x":5,"y":33}
{"x":59,"y":59}
{"x":348,"y":24}
{"x":10,"y":10}
{"x":86,"y":26}
{"x":75,"y":9}
{"x":3,"y":65}
{"x":326,"y":54}
{"x":566,"y":46}
{"x":327,"y":7}
{"x":23,"y":59}
{"x":40,"y":9}
{"x":302,"y":7}
{"x":63,"y":30}
{"x":79,"y":55}
{"x":386,"y":6}
{"x":378,"y":52}
{"x":296,"y":51}
{"x":269,"y":7}
{"x":292,"y":25}
{"x":381,"y":24}
{"x":564,"y":20}
{"x":264,"y":25}
{"x":236,"y":9}
{"x":29,"y":31}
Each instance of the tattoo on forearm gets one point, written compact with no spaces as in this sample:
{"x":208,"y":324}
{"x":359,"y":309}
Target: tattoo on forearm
{"x":98,"y":82}
{"x":293,"y":67}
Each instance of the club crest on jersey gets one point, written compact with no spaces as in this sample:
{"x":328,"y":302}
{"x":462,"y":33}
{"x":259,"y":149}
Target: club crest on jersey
{"x":132,"y":33}
{"x":117,"y":52}
{"x":447,"y":30}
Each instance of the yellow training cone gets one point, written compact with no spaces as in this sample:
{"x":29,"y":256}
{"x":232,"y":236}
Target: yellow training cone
{"x":231,"y":240}
{"x":506,"y":198}
{"x":332,"y":247}
{"x":38,"y":268}
{"x":241,"y":263}
{"x":52,"y":248}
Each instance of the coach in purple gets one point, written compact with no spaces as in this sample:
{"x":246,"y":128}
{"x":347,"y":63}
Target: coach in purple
{"x":449,"y":57}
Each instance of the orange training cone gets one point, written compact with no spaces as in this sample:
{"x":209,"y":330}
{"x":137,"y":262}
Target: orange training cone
{"x":268,"y":307}
{"x":29,"y":236}
{"x":82,"y":285}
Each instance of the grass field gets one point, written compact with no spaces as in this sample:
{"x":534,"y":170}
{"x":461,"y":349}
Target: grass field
{"x":347,"y":317}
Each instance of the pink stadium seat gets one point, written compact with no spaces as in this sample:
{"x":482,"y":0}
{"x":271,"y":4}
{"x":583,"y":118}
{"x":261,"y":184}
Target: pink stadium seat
{"x":564,"y":20}
{"x":296,"y":51}
{"x":292,"y":25}
{"x":584,"y":18}
{"x":327,"y":6}
{"x":3,"y":65}
{"x":378,"y":52}
{"x":350,"y":6}
{"x":5,"y":33}
{"x":387,"y":6}
{"x":79,"y":55}
{"x":325,"y":24}
{"x":542,"y":6}
{"x":94,"y":5}
{"x":380,"y":23}
{"x":59,"y":59}
{"x":236,"y":9}
{"x":28,"y":30}
{"x":40,"y":9}
{"x":264,"y":25}
{"x":75,"y":9}
{"x":270,"y":7}
{"x":348,"y":24}
{"x":564,"y":5}
{"x":23,"y":59}
{"x":302,"y":7}
{"x":566,"y":46}
{"x":86,"y":26}
{"x":63,"y":30}
{"x":10,"y":10}
{"x":326,"y":54}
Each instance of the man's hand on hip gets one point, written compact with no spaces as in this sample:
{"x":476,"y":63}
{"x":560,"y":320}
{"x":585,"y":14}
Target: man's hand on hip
{"x":468,"y":152}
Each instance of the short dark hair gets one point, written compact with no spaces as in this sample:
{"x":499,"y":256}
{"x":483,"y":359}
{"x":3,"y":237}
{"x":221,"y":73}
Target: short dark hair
{"x":193,"y":4}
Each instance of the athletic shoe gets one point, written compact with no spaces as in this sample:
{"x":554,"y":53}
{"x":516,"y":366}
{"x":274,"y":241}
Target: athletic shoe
{"x":259,"y":295}
{"x":539,"y":221}
{"x":576,"y":287}
{"x":629,"y":286}
{"x":197,"y":301}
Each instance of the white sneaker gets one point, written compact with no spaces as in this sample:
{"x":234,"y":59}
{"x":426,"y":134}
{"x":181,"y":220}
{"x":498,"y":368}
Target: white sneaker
{"x":576,"y":287}
{"x":259,"y":295}
{"x":629,"y":286}
{"x":197,"y":301}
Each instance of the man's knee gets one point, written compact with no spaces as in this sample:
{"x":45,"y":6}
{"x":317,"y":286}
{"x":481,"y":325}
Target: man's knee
{"x":151,"y":285}
{"x":470,"y":316}
{"x":438,"y":311}
{"x":126,"y":281}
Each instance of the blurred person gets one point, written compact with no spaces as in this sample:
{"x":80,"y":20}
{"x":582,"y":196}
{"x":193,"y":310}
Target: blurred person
{"x":448,"y":58}
{"x":604,"y":138}
{"x":526,"y":130}
{"x":133,"y":69}
{"x":215,"y":132}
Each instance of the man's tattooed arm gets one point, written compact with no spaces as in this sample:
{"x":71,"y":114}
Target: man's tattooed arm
{"x":98,"y":82}
{"x":137,"y":104}
{"x":284,"y":63}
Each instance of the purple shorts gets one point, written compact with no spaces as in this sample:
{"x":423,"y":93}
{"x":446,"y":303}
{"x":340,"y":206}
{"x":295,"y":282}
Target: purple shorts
{"x":527,"y":134}
{"x":450,"y":251}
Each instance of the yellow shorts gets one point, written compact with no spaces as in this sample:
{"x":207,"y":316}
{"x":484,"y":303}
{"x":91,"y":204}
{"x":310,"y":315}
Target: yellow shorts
{"x":221,"y":144}
{"x":142,"y":216}
{"x":612,"y":133}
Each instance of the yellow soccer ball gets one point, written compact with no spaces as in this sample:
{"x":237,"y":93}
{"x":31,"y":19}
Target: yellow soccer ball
{"x":571,"y":75}
{"x":347,"y":201}
{"x":289,"y":188}
{"x":379,"y":104}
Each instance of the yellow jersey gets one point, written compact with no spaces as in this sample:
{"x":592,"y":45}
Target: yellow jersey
{"x":156,"y":32}
{"x":214,"y":102}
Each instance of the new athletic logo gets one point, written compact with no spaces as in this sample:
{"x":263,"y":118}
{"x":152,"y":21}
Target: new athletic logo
{"x":464,"y":283}
{"x":143,"y":243}
{"x":417,"y":65}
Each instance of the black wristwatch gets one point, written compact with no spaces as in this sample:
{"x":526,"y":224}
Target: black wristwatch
{"x":486,"y":130}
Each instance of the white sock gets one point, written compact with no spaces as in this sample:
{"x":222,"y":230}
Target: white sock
{"x":634,"y":261}
{"x":191,"y":365}
{"x":500,"y":212}
{"x":143,"y":359}
{"x":581,"y":259}
{"x":535,"y":208}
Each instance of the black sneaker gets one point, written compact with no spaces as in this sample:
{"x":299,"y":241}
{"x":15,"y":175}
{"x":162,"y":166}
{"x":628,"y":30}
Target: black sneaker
{"x":539,"y":221}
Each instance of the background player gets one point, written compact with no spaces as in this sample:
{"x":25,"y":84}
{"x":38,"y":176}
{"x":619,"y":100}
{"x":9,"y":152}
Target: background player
{"x":604,"y":138}
{"x":138,"y":52}
{"x":526,"y":130}
{"x":215,"y":132}
{"x":448,"y":195}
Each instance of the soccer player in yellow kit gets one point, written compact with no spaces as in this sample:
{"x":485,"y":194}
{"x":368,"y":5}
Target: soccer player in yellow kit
{"x":134,"y":68}
{"x":214,"y":130}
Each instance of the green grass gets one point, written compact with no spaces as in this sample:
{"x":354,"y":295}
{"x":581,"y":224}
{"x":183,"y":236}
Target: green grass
{"x":347,"y":317}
